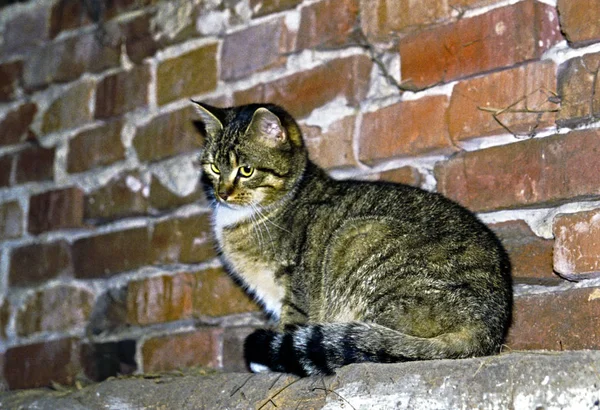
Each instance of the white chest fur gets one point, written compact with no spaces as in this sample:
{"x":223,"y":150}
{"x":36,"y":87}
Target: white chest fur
{"x":257,"y":275}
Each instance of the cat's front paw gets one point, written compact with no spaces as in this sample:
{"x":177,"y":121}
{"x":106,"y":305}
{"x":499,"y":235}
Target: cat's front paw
{"x":257,"y":350}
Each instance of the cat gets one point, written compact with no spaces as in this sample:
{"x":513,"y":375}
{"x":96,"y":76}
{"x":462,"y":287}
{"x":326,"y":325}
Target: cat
{"x":353,"y":271}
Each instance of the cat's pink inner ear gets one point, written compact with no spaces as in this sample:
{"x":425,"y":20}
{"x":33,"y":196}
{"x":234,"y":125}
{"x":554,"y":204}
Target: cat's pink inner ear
{"x":268,"y":125}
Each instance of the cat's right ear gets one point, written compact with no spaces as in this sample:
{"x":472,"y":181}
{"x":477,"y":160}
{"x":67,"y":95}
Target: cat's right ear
{"x":208,"y":118}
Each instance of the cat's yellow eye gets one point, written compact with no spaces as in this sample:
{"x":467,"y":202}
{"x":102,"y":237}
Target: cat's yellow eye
{"x":214,"y":169}
{"x":246,"y":171}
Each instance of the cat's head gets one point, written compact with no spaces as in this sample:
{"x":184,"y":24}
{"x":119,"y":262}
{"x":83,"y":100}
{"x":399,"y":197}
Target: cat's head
{"x":253,"y":154}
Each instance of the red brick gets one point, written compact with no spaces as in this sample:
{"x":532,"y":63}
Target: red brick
{"x":201,"y":347}
{"x":528,"y":87}
{"x":530,"y":255}
{"x":96,"y":147}
{"x":405,"y":175}
{"x":40,"y":364}
{"x":216,"y":294}
{"x":14,"y":127}
{"x":579,"y":20}
{"x":579,"y":89}
{"x":67,"y":15}
{"x":189,"y":74}
{"x":54,"y":210}
{"x":403,"y":129}
{"x":264,"y":7}
{"x":162,"y":198}
{"x":332,"y":148}
{"x":568,"y":320}
{"x":254,"y":49}
{"x":185,"y":240}
{"x":55,"y":309}
{"x":160,"y":299}
{"x":10,"y":76}
{"x":302,"y":92}
{"x":167,"y":135}
{"x":6,"y":170}
{"x":11,"y":220}
{"x":66,"y":60}
{"x":123,"y":91}
{"x":37,"y":263}
{"x":123,"y":196}
{"x":328,"y":23}
{"x":577,"y":245}
{"x":107,"y":254}
{"x":500,"y":38}
{"x":34,"y":164}
{"x":4,"y":317}
{"x":533,"y":172}
{"x":71,"y":109}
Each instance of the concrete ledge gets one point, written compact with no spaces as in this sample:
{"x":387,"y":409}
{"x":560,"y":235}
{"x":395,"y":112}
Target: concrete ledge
{"x":532,"y":380}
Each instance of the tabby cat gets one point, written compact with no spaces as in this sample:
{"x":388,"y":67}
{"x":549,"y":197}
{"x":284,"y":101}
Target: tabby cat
{"x":353,"y":271}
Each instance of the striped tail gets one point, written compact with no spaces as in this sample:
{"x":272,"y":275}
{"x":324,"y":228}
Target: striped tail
{"x":307,"y":350}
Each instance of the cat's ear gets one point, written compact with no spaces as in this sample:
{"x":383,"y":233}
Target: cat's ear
{"x":208,"y":117}
{"x":267,"y":126}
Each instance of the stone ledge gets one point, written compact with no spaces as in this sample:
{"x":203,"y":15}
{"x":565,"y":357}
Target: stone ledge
{"x":531,"y":380}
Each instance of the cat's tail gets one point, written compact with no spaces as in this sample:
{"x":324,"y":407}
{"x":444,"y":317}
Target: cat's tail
{"x":319,"y":349}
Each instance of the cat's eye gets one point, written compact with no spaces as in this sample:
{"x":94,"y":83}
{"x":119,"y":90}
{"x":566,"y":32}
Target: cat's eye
{"x":214,"y":169}
{"x":246,"y":171}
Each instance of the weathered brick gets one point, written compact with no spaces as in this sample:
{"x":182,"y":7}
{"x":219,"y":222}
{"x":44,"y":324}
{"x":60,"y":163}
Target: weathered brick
{"x":11,"y":220}
{"x":70,"y":109}
{"x":55,"y":309}
{"x":122,"y":196}
{"x":123,"y":91}
{"x":186,"y":240}
{"x":577,"y":245}
{"x":10,"y":76}
{"x":500,"y":38}
{"x":202,"y":347}
{"x":328,"y":23}
{"x":525,"y":94}
{"x":161,"y":197}
{"x":107,"y":254}
{"x":233,"y":348}
{"x":167,"y":135}
{"x":4,"y":317}
{"x":194,"y":72}
{"x":568,"y":320}
{"x":254,"y":49}
{"x":533,"y":172}
{"x":216,"y":294}
{"x":96,"y":147}
{"x":24,"y":31}
{"x":264,"y":7}
{"x":139,"y":37}
{"x":34,"y":164}
{"x":66,"y":60}
{"x":302,"y":92}
{"x":53,"y":210}
{"x":530,"y":255}
{"x":579,"y":89}
{"x":405,"y":128}
{"x":332,"y":148}
{"x":67,"y":15}
{"x":579,"y":20}
{"x":6,"y":170}
{"x":38,"y":263}
{"x":14,"y":127}
{"x":404,"y":175}
{"x":160,"y":299}
{"x":40,"y":364}
{"x":110,"y":312}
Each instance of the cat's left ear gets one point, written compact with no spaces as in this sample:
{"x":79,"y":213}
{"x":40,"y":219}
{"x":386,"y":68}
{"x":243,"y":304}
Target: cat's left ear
{"x":208,"y":116}
{"x":267,"y":125}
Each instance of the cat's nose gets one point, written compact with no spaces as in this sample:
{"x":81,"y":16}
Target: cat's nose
{"x":224,"y":194}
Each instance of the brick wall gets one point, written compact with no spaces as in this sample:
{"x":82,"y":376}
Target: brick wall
{"x":107,"y":263}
